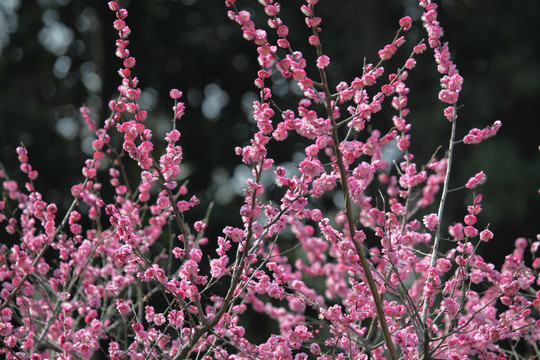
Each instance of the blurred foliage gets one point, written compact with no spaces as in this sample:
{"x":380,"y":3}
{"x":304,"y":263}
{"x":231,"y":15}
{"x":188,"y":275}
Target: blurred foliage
{"x":59,"y":54}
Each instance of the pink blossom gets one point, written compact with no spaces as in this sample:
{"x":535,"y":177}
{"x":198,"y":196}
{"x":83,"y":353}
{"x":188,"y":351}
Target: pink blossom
{"x":123,"y":307}
{"x":129,"y":62}
{"x":163,"y":202}
{"x":179,"y":110}
{"x":387,"y":52}
{"x":470,"y":219}
{"x":235,"y":234}
{"x":456,"y":231}
{"x":450,"y":113}
{"x":431,"y":221}
{"x":323,"y":61}
{"x":451,"y":305}
{"x":283,"y":31}
{"x":486,"y":235}
{"x":311,"y":168}
{"x":173,"y":136}
{"x":399,"y":41}
{"x":448,"y":96}
{"x":119,"y":24}
{"x":178,"y":253}
{"x":410,"y":63}
{"x":418,"y":49}
{"x":175,"y":94}
{"x":314,"y":40}
{"x":476,"y":180}
{"x":475,"y":136}
{"x":405,"y":23}
{"x":176,"y":318}
{"x":283,"y":43}
{"x":159,"y":319}
{"x":470,"y":231}
{"x":113,"y":5}
{"x":218,"y":266}
{"x":141,"y":116}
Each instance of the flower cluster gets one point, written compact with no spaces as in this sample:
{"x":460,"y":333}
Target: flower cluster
{"x":123,"y":272}
{"x":475,"y":136}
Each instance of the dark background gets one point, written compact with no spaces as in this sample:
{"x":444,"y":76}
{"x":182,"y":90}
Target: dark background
{"x":59,"y":54}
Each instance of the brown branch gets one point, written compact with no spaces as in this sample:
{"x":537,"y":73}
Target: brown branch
{"x":348,"y":212}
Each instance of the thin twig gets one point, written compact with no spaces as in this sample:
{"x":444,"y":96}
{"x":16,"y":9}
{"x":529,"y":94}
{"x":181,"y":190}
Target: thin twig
{"x":440,"y":213}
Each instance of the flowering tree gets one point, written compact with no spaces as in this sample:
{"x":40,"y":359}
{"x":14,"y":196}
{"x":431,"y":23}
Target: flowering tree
{"x":378,"y":277}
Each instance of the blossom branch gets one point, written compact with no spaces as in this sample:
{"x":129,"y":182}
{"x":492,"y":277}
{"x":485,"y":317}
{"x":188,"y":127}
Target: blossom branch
{"x":349,"y":213}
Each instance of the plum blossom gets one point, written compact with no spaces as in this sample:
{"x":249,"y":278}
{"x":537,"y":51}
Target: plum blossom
{"x":476,"y":136}
{"x":431,"y":221}
{"x":476,"y":180}
{"x":305,"y":229}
